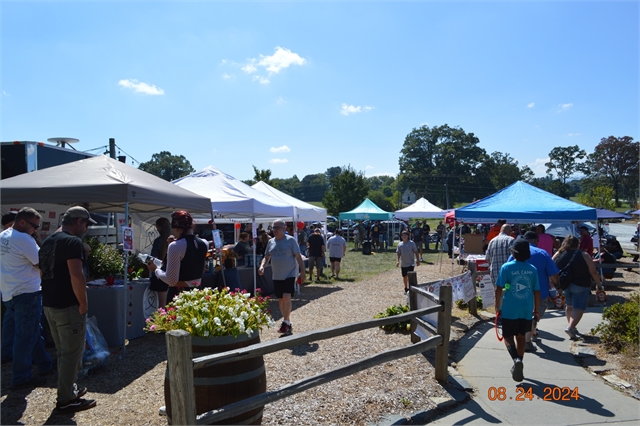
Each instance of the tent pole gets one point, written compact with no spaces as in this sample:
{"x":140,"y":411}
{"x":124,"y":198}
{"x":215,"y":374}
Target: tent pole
{"x":254,"y":234}
{"x":124,"y":287}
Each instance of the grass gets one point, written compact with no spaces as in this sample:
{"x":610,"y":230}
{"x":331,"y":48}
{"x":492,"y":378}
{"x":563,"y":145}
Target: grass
{"x":357,"y":267}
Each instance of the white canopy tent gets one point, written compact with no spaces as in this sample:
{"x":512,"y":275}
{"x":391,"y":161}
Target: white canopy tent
{"x":303,"y":211}
{"x":421,"y":209}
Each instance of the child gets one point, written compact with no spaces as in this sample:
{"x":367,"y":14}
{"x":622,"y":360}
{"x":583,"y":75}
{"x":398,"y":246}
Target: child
{"x":517,"y":300}
{"x":406,"y":251}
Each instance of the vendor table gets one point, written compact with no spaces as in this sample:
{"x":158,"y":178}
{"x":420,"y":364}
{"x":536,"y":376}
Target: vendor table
{"x":107,"y":304}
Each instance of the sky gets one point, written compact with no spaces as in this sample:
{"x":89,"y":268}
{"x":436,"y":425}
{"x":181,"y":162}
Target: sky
{"x":298,"y":87}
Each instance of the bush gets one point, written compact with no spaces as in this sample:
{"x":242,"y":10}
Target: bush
{"x":621,"y":327}
{"x":401,"y":327}
{"x":104,"y":260}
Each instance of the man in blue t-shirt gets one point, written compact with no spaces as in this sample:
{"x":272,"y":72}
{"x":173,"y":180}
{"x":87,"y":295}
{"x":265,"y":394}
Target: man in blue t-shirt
{"x":547,"y":278}
{"x":517,"y":300}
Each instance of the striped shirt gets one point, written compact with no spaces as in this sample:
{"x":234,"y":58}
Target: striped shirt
{"x":498,"y":252}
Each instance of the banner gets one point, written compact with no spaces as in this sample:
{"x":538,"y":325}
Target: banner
{"x":487,"y":292}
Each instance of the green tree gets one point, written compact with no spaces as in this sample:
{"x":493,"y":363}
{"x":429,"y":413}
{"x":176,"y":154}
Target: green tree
{"x":616,"y":160}
{"x":331,"y":173}
{"x":601,"y":196}
{"x":501,"y":170}
{"x":386,"y":184}
{"x":313,"y":187}
{"x":563,"y":161}
{"x":289,"y":186}
{"x":261,"y":176}
{"x":382,"y":201}
{"x":432,"y":157}
{"x":166,"y":166}
{"x":348,"y":190}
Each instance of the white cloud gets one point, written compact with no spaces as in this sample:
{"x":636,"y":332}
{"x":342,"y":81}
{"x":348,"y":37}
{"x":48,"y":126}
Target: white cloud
{"x":281,"y":101}
{"x":368,"y":167}
{"x":282,"y":58}
{"x":564,"y":107}
{"x":352,"y":109}
{"x":140,"y":87}
{"x":571,"y":135}
{"x":282,"y":148}
{"x":227,"y":76}
{"x":249,"y":68}
{"x":538,"y":166}
{"x":262,"y":80}
{"x":224,"y":61}
{"x":278,"y":161}
{"x":531,"y":104}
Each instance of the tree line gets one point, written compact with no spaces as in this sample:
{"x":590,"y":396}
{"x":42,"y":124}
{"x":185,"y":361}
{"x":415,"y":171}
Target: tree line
{"x":447,"y":165}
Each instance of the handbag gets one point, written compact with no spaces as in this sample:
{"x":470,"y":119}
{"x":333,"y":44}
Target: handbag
{"x":564,"y":275}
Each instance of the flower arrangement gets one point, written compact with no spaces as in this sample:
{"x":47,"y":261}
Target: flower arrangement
{"x":211,"y":312}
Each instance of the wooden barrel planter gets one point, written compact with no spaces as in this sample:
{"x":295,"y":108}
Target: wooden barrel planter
{"x":223,"y":384}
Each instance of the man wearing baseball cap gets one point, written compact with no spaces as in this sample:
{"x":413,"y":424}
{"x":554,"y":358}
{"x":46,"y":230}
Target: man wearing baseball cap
{"x":64,"y":297}
{"x":517,"y":298}
{"x":586,"y":242}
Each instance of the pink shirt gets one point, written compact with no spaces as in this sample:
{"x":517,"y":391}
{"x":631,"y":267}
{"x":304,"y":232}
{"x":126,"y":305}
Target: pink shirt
{"x":546,"y":242}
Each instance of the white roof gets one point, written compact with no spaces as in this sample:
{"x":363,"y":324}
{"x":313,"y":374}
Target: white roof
{"x":421,"y":209}
{"x":303,"y":211}
{"x":233,"y":198}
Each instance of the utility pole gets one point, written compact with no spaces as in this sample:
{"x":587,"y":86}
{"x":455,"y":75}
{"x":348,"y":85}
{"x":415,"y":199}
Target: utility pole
{"x":446,"y":188}
{"x":112,"y":148}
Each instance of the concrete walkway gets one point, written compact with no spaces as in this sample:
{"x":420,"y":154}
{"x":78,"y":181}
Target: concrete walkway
{"x":485,"y":364}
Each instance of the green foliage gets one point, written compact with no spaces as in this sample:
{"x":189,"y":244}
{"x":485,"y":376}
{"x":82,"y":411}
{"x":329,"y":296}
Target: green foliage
{"x":382,"y":201}
{"x":348,"y":189}
{"x":104,"y":260}
{"x":166,"y":166}
{"x":501,"y":170}
{"x":137,"y":268}
{"x":616,"y":160}
{"x":601,"y":196}
{"x":401,"y":327}
{"x":461,"y":305}
{"x":261,"y":176}
{"x":563,"y":161}
{"x":621,"y":327}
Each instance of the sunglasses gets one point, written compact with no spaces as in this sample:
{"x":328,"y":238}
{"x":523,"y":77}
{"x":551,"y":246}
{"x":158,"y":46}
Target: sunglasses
{"x":35,"y":226}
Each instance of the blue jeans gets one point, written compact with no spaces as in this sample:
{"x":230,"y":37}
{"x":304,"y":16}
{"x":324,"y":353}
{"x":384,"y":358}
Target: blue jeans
{"x":28,"y":344}
{"x":68,"y":329}
{"x":8,"y":331}
{"x":577,"y":296}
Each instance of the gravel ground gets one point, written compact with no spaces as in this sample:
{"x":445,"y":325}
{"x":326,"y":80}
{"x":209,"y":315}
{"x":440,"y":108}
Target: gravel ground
{"x":129,"y":391}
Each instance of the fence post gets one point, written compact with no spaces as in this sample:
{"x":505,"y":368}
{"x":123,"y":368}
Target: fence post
{"x":444,"y":329}
{"x":473,"y":305}
{"x":413,"y":305}
{"x":180,"y":365}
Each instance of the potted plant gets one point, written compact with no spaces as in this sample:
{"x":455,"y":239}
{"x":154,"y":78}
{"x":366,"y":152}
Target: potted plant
{"x":219,"y":320}
{"x":104,"y":260}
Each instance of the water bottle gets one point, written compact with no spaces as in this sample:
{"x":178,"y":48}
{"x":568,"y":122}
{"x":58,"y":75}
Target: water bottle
{"x":553,"y":293}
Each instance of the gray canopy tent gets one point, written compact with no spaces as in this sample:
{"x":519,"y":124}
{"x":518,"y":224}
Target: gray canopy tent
{"x":101,"y":184}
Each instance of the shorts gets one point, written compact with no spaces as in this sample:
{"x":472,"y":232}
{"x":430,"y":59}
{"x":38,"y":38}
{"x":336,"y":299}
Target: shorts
{"x":513,"y":327}
{"x":316,"y":261}
{"x":288,"y":285}
{"x":406,"y":270}
{"x":381,"y":238}
{"x":577,"y":296}
{"x":542,"y":308}
{"x":335,"y":259}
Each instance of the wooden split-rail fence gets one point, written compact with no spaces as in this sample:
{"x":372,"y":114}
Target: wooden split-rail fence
{"x":181,"y":364}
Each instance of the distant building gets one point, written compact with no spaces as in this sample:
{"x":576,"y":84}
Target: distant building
{"x":408,"y":197}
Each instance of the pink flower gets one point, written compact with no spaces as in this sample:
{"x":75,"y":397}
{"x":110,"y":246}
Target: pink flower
{"x":152,"y":328}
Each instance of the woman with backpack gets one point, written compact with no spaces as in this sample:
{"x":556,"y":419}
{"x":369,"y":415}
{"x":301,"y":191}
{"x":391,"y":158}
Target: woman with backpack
{"x":582,"y":270}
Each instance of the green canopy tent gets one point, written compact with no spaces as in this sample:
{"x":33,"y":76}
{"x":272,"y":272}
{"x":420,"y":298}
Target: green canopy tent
{"x":366,"y":210}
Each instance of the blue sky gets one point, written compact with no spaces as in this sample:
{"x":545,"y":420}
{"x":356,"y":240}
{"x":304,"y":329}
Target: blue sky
{"x":298,"y":87}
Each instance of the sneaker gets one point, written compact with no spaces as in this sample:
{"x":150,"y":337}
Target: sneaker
{"x":517,"y":370}
{"x":571,"y":332}
{"x":162,"y":411}
{"x":31,"y":383}
{"x":406,"y":290}
{"x":285,"y":328}
{"x":81,"y":392}
{"x":534,"y":338}
{"x":74,"y":405}
{"x":530,"y":347}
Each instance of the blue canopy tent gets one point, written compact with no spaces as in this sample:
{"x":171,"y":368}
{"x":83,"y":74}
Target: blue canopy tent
{"x":521,"y":202}
{"x":366,"y":210}
{"x":608,"y":214}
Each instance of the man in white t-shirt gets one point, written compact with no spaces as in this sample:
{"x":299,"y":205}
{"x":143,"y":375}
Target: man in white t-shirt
{"x":22,"y":297}
{"x":337,"y":250}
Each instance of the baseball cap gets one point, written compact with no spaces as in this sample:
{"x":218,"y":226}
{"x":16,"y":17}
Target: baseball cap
{"x":78,"y":212}
{"x":521,"y":246}
{"x":530,"y":235}
{"x":583,"y":227}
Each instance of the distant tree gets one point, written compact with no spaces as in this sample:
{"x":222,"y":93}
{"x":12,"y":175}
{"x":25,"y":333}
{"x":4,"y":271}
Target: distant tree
{"x":616,"y":160}
{"x":432,"y":157}
{"x":313,"y":187}
{"x":382,"y":201}
{"x":289,"y":186}
{"x":601,"y":196}
{"x":501,"y":170}
{"x":166,"y":166}
{"x":261,"y":176}
{"x":563,"y":161}
{"x":348,"y":190}
{"x":386,"y":184}
{"x":331,"y":173}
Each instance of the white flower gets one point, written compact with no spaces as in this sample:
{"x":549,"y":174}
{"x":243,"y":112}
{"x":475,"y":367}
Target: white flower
{"x":206,"y":333}
{"x":217,"y":321}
